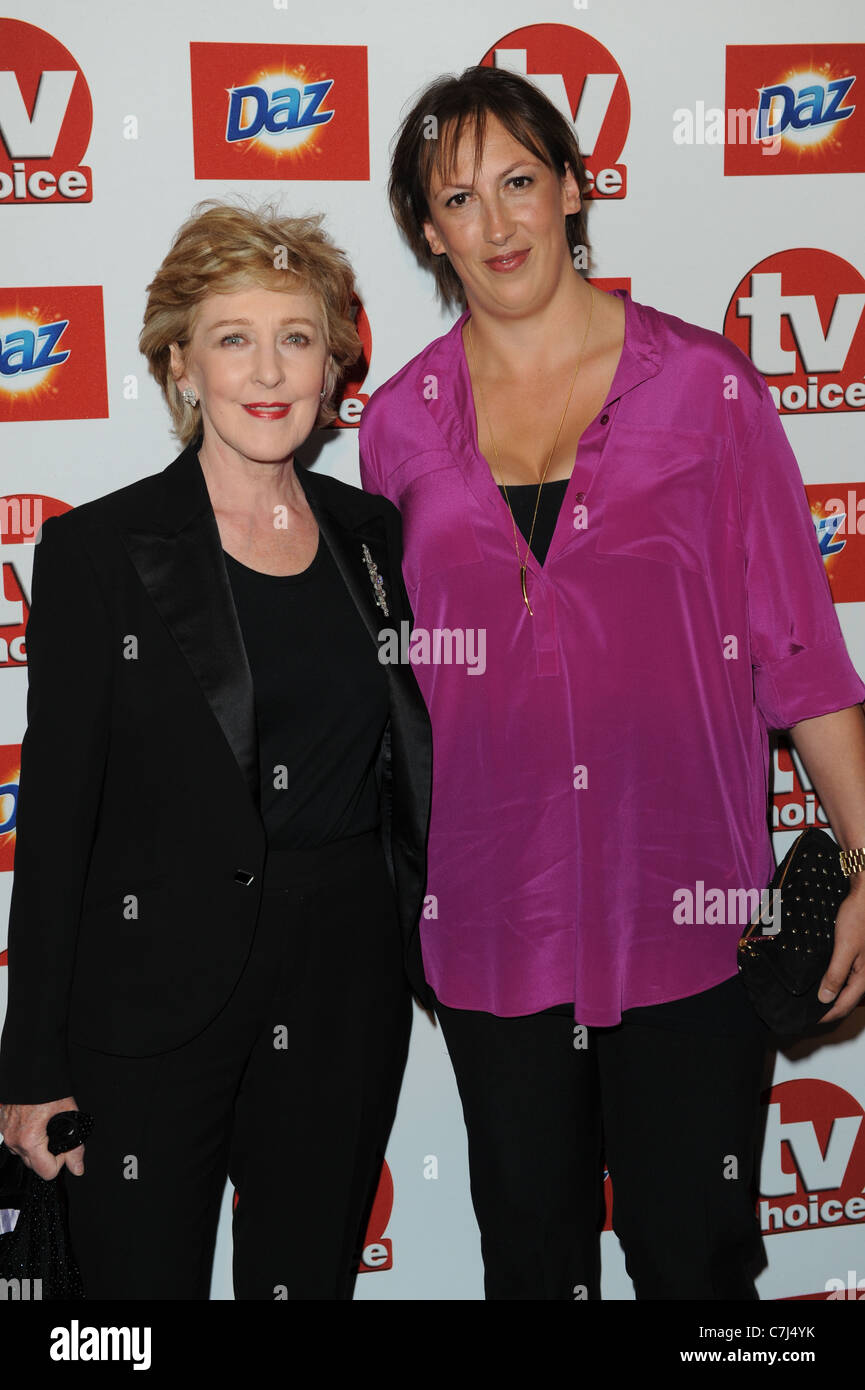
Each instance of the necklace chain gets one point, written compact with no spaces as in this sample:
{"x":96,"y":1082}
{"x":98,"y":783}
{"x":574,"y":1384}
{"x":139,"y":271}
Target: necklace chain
{"x":524,"y":562}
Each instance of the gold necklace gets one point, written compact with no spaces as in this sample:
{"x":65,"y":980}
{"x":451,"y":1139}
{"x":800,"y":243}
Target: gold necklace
{"x":524,"y":562}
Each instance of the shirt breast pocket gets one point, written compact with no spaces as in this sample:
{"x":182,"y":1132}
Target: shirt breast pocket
{"x":438,"y":530}
{"x":658,"y":491}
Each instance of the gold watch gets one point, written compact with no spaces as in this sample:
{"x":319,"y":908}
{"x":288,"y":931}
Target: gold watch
{"x":852,"y":861}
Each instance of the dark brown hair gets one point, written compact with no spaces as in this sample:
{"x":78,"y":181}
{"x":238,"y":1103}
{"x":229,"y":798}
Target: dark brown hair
{"x":428,"y":139}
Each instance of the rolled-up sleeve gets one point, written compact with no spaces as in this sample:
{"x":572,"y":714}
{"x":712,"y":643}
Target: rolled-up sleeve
{"x":799,"y":658}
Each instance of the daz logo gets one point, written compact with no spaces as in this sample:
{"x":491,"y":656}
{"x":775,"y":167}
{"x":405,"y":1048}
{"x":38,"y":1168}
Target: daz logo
{"x":586,"y":84}
{"x":262,"y":111}
{"x":813,"y":1164}
{"x":52,"y":354}
{"x":45,"y":119}
{"x":838,"y":512}
{"x":799,"y":316}
{"x":806,"y":96}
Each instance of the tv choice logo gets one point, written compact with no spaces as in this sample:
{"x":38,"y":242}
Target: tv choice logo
{"x":812,"y":1172}
{"x":608,"y":283}
{"x":52,"y":353}
{"x":377,"y":1251}
{"x":14,"y":612}
{"x":798,"y":315}
{"x":838,"y":512}
{"x":21,"y":516}
{"x":10,"y":772}
{"x":582,"y":78}
{"x":45,"y":119}
{"x":795,"y":804}
{"x":806,"y":100}
{"x":277,"y":111}
{"x":351,"y":399}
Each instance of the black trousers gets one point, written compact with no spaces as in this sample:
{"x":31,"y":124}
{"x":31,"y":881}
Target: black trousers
{"x":291,"y":1092}
{"x":669,"y":1098}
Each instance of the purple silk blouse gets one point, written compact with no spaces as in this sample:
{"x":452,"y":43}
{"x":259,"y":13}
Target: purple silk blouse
{"x":608,"y":757}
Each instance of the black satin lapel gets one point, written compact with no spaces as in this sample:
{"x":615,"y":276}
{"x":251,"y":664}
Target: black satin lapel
{"x":186,"y":579}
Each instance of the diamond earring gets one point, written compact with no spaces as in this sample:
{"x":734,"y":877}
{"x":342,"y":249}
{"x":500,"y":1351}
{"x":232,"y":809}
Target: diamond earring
{"x":189,"y":396}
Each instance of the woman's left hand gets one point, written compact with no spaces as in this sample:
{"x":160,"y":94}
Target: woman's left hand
{"x":846,"y":970}
{"x":832,"y":748}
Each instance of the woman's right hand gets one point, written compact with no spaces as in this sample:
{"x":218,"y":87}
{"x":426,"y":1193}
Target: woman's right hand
{"x":24,"y":1127}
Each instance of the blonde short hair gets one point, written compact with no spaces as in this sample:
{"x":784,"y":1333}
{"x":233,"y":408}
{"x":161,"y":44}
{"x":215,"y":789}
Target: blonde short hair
{"x":223,"y":248}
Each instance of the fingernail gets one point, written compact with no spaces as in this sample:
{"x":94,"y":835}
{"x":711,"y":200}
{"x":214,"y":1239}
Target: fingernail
{"x":826,"y":995}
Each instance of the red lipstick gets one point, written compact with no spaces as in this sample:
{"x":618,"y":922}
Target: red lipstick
{"x":268,"y":410}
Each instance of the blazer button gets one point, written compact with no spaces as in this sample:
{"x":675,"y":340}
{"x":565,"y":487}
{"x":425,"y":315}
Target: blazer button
{"x":243,"y":876}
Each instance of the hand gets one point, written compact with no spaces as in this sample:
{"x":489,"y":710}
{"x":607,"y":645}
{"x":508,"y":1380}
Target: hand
{"x":23,"y":1128}
{"x":846,"y":969}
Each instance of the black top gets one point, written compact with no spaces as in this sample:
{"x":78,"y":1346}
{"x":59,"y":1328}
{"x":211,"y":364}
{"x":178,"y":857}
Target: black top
{"x":522,"y":498}
{"x":321,"y":701}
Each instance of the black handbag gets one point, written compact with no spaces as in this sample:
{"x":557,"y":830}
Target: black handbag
{"x":36,"y":1259}
{"x":782,"y":969}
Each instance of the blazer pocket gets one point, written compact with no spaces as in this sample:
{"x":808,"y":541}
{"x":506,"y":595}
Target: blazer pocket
{"x":657,"y":497}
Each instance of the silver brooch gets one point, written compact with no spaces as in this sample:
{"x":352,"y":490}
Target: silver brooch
{"x":377,"y":581}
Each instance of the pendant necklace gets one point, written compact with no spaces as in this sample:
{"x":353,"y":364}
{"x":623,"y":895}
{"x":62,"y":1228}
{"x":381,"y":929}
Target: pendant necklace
{"x":523,"y":563}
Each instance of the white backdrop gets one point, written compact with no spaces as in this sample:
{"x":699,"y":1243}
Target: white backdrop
{"x":685,"y":235}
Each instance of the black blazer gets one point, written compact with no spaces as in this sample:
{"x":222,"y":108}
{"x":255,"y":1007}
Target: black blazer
{"x":139,"y":773}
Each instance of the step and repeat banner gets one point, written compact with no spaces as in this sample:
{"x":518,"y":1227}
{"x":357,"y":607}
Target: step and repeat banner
{"x":726,"y":149}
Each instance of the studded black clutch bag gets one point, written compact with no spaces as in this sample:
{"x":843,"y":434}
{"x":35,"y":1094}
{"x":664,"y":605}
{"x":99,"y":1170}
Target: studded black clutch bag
{"x":36,"y":1258}
{"x":784,"y":954}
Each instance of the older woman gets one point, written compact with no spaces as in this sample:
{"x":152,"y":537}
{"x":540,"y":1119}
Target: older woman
{"x":587,"y":480}
{"x":205,"y":947}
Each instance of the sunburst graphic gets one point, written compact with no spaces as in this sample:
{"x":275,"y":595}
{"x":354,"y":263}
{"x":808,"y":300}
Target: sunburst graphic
{"x":297,"y":111}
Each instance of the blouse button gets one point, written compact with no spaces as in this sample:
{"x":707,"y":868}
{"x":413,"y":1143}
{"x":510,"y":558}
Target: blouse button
{"x":580,"y":496}
{"x":605,"y":418}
